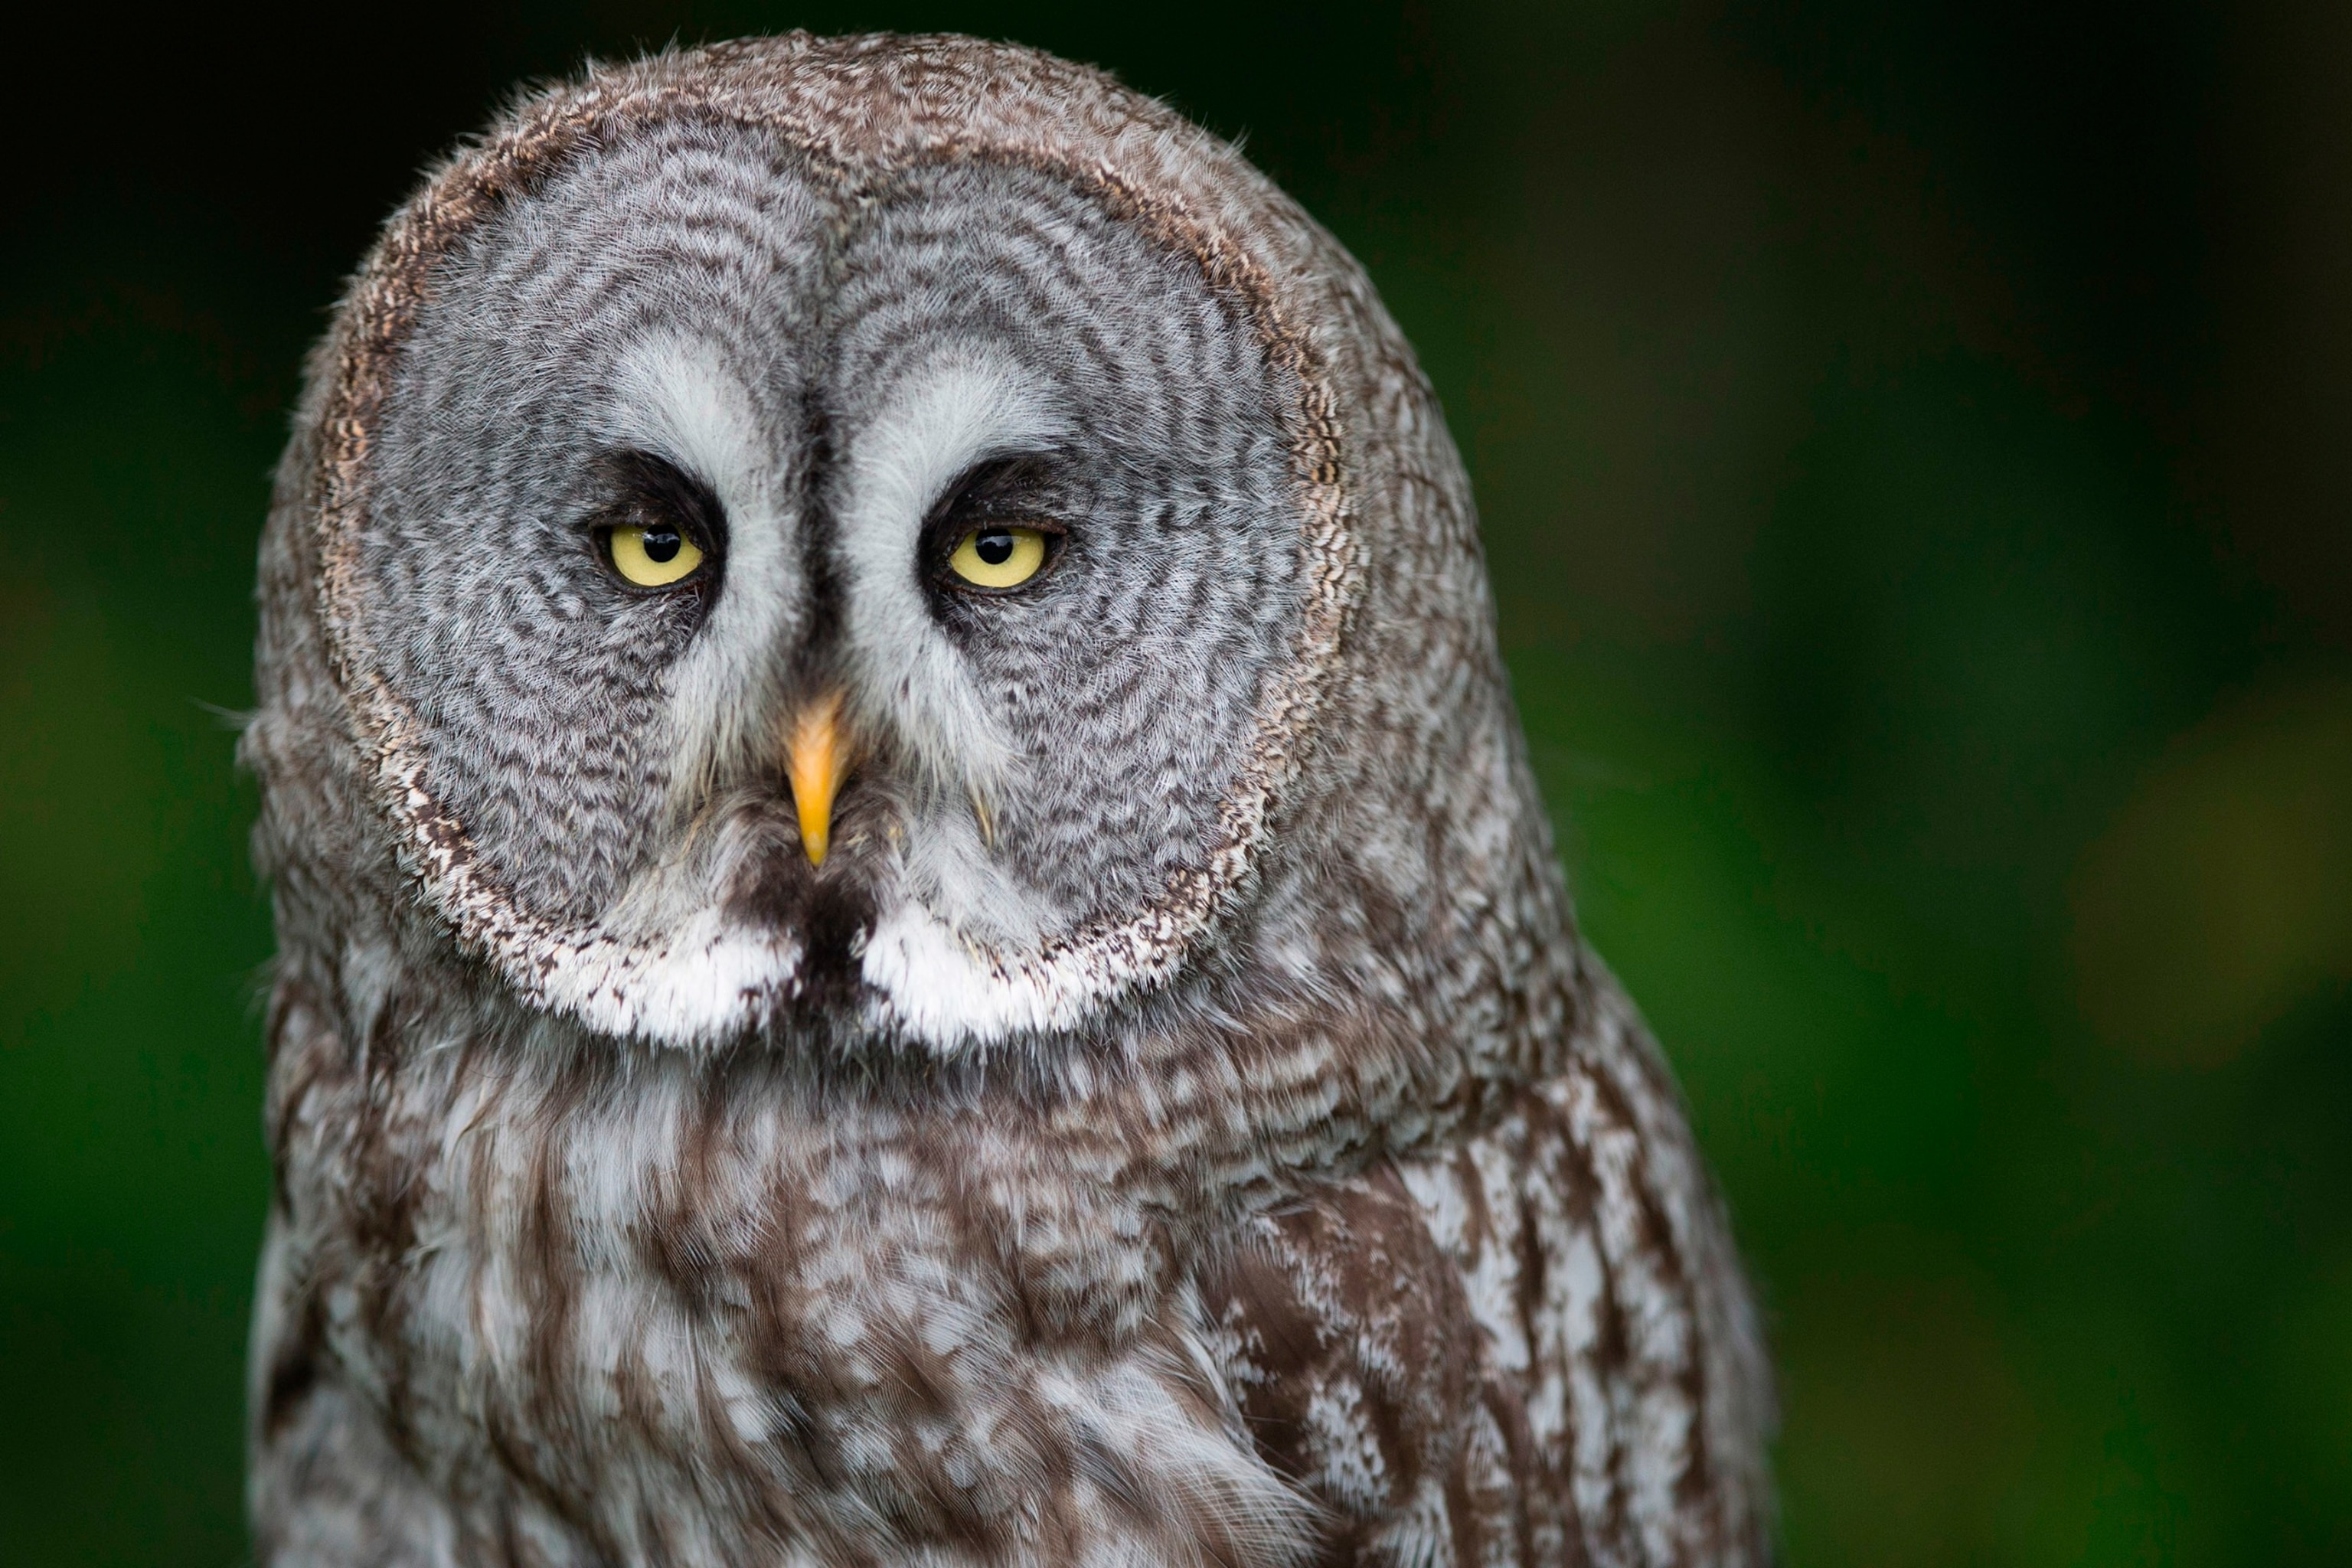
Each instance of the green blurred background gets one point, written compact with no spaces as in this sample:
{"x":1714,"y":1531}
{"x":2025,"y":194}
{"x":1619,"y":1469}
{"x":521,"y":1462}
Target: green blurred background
{"x":1912,"y":449}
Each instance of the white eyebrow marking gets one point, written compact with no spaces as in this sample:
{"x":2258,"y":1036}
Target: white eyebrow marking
{"x":679,"y":401}
{"x":956,"y":410}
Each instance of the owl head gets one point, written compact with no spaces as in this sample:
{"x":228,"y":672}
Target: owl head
{"x":901,"y":532}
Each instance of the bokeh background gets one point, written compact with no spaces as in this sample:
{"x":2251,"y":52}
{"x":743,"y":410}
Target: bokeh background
{"x":1913,"y":448}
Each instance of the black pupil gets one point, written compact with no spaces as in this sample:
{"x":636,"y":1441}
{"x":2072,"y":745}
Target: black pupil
{"x":994,"y":547}
{"x":661,"y":544}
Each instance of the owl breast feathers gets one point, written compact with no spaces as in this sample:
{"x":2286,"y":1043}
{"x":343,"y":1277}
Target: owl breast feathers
{"x":913,"y":926}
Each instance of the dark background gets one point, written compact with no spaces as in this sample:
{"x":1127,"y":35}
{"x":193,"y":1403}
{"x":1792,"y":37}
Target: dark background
{"x":1913,"y":448}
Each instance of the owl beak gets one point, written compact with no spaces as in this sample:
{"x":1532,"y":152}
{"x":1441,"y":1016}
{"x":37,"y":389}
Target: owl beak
{"x":814,"y":760}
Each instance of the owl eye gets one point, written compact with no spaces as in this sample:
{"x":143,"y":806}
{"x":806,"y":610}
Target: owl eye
{"x":653,"y":555}
{"x":995,"y":557}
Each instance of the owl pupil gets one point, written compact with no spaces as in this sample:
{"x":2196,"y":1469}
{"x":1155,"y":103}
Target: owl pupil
{"x":995,"y":547}
{"x":661,"y":544}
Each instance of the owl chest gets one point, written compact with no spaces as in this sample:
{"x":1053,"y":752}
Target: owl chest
{"x":593,"y":1296}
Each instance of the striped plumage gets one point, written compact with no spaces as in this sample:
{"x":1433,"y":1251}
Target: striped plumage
{"x":1175,"y":1123}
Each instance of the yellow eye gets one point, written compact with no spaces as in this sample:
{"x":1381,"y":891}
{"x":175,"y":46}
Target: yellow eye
{"x":652,"y":556}
{"x":998,"y":557}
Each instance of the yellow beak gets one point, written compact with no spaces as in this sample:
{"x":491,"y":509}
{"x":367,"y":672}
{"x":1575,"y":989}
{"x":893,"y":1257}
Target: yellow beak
{"x":814,"y":760}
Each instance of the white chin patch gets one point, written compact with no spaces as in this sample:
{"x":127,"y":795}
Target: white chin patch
{"x":702,"y":986}
{"x":714,"y":981}
{"x":700,"y":980}
{"x":955,"y":993}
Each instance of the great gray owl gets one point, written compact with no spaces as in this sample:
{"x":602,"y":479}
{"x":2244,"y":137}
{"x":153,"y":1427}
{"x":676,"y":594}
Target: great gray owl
{"x":914,"y":928}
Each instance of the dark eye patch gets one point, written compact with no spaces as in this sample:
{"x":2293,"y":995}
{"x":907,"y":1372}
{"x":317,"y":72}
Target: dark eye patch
{"x":642,"y":490}
{"x":1027,"y":490}
{"x":1023,"y":489}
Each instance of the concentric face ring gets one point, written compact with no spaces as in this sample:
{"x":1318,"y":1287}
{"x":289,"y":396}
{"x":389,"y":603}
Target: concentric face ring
{"x":709,"y":977}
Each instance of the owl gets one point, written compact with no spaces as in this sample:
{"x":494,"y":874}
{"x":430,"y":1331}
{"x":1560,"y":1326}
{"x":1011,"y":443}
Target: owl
{"x":913,"y":924}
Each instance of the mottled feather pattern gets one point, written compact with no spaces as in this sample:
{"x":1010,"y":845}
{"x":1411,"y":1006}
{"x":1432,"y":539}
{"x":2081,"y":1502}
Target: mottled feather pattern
{"x":1178,"y":1123}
